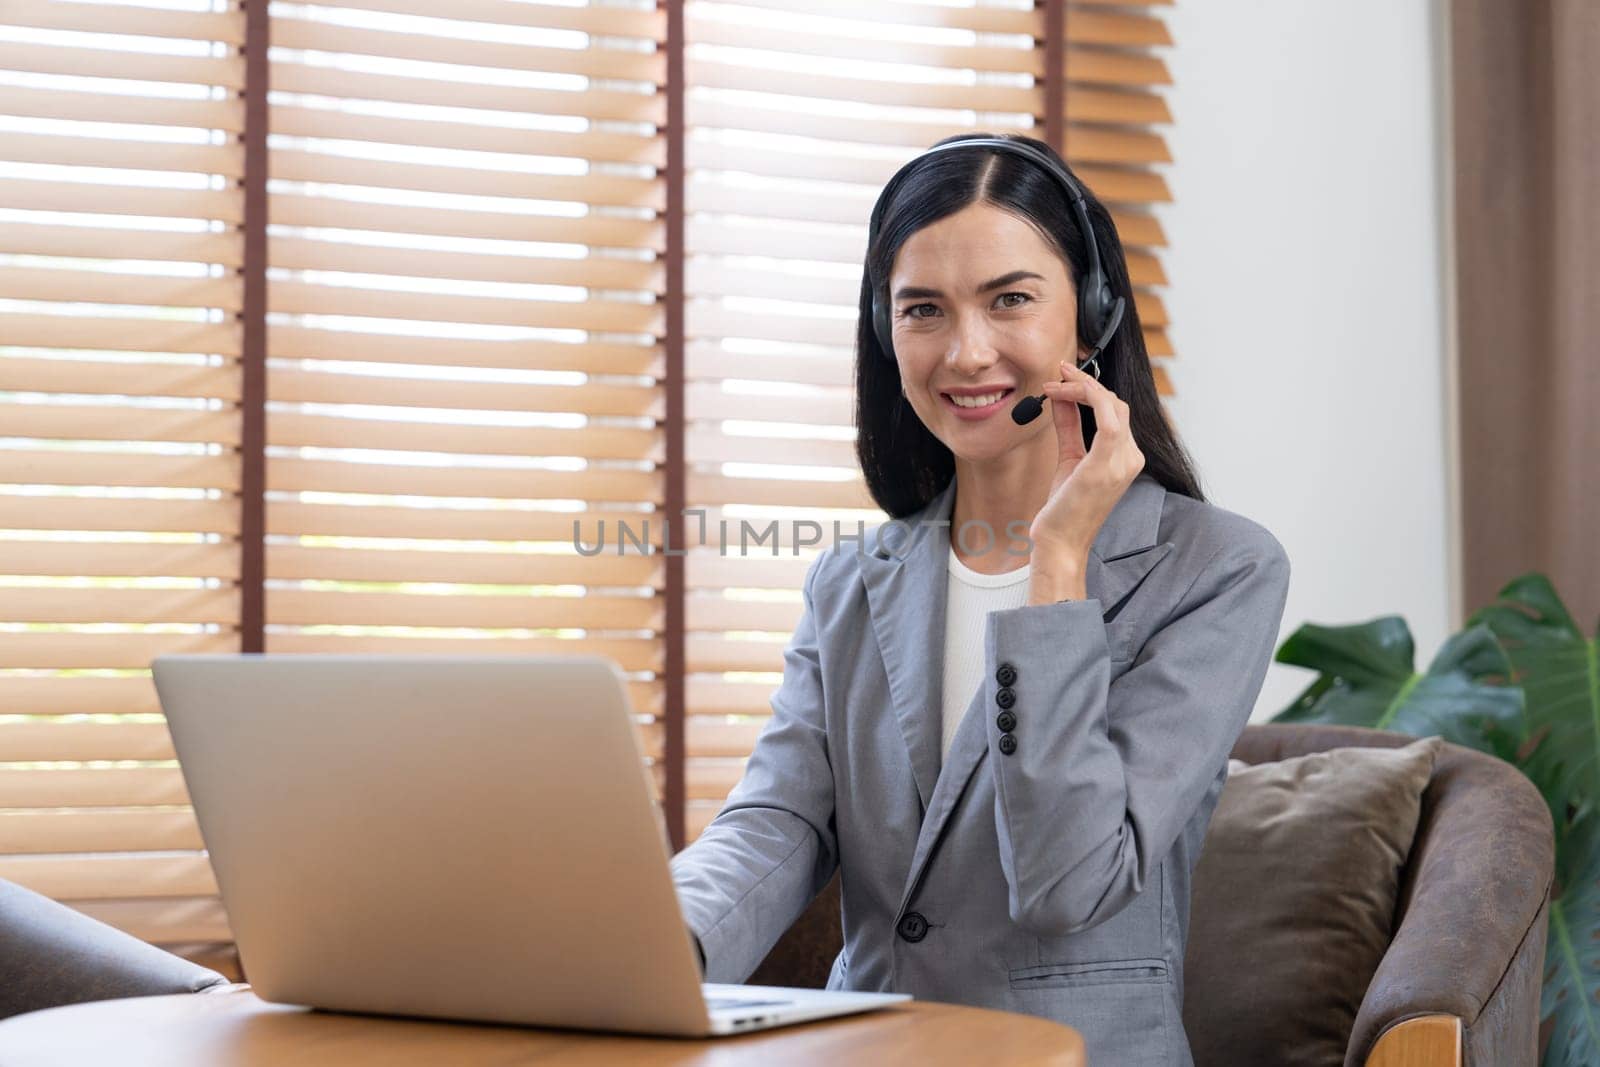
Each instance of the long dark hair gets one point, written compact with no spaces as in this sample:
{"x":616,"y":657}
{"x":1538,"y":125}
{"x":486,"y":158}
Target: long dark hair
{"x":905,"y":465}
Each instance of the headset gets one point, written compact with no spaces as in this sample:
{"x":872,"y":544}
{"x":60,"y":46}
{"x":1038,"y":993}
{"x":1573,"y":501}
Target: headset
{"x":1099,"y":309}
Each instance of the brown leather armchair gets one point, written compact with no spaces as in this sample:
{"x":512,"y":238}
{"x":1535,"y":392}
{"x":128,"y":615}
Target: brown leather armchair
{"x":1459,"y":984}
{"x":51,"y":955}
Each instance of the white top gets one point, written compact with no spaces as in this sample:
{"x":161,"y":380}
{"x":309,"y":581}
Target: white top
{"x":971,"y":596}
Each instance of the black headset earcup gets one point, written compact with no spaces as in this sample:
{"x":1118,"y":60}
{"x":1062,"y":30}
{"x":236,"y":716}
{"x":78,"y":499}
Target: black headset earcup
{"x":1103,"y":334}
{"x":1095,"y":305}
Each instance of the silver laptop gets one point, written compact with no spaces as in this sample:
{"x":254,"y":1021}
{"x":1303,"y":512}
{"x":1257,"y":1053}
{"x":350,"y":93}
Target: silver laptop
{"x":453,"y":837}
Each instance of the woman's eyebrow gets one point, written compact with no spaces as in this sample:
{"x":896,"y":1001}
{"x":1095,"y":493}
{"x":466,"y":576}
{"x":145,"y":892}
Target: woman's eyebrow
{"x":913,"y":292}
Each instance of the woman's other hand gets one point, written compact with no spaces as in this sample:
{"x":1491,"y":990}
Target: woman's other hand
{"x":1086,"y":486}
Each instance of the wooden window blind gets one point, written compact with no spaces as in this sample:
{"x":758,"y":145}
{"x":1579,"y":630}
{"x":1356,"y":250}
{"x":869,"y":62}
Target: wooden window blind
{"x":464,"y":320}
{"x":1113,"y":110}
{"x":119,"y":377}
{"x":529,"y":267}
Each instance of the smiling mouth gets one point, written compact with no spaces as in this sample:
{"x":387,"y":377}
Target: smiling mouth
{"x":971,"y":403}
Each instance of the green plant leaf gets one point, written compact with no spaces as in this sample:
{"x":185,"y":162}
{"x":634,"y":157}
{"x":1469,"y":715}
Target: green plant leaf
{"x":1559,"y":671}
{"x":1368,"y":678}
{"x":1568,"y":998}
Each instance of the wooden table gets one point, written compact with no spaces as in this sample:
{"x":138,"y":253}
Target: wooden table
{"x":236,"y":1029}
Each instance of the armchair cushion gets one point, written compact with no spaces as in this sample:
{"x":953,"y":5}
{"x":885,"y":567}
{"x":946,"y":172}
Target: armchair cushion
{"x":51,"y":955}
{"x":1302,"y":863}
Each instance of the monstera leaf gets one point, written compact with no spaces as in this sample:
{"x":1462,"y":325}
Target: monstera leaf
{"x":1559,"y":672}
{"x":1558,"y":669}
{"x":1368,"y":678}
{"x":1572,"y":973}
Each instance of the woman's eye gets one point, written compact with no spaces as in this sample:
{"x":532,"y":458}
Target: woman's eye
{"x":911,"y":312}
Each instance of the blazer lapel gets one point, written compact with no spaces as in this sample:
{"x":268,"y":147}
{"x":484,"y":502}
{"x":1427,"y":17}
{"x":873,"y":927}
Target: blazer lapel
{"x":1126,"y":550}
{"x":906,"y":596}
{"x":904,"y":574}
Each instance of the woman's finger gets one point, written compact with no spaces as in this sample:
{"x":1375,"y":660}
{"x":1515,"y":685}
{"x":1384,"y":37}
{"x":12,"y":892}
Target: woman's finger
{"x":1100,"y":399}
{"x":1068,"y":421}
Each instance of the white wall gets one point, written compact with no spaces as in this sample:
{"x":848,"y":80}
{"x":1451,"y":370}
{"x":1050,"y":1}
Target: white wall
{"x":1310,"y":388}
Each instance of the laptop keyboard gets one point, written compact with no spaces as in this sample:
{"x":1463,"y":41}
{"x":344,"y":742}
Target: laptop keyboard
{"x":725,"y":1003}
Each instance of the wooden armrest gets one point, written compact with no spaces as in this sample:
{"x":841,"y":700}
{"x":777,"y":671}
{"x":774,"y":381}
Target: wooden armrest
{"x":1423,"y":1041}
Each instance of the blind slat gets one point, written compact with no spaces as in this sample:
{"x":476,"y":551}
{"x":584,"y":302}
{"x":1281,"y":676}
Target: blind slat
{"x":608,"y":21}
{"x":295,"y":429}
{"x":38,"y":195}
{"x":98,"y":831}
{"x":86,"y":651}
{"x":116,"y":335}
{"x":78,"y":422}
{"x":1125,"y":107}
{"x":116,"y":513}
{"x":113,"y":876}
{"x":128,"y":470}
{"x":704,"y":361}
{"x":454,"y":222}
{"x":1120,"y":29}
{"x":713,"y":489}
{"x":77,"y":695}
{"x":303,"y":342}
{"x":708,"y":446}
{"x":48,"y":740}
{"x":711,"y":737}
{"x":84,"y":106}
{"x":36,"y":239}
{"x":67,"y":150}
{"x":709,"y":401}
{"x":56,"y":604}
{"x":124,"y":18}
{"x":982,"y":19}
{"x":291,"y":164}
{"x":713,"y":654}
{"x":852,"y":44}
{"x":105,"y":559}
{"x":289,"y":561}
{"x":294,"y":607}
{"x":616,"y":106}
{"x":165,"y":921}
{"x":306,"y":386}
{"x":109,"y":287}
{"x":333,"y":476}
{"x":302,"y":34}
{"x":712,"y":74}
{"x":298,"y":253}
{"x":1115,"y":68}
{"x":300,"y":298}
{"x":379,"y":518}
{"x":711,"y":570}
{"x":292,"y":121}
{"x":108,"y":787}
{"x":74,"y":60}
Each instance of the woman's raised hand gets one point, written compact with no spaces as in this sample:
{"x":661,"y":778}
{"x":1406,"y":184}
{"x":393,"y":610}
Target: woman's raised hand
{"x":1087,"y":483}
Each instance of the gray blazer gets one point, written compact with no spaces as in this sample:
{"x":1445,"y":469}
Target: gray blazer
{"x":1045,"y":868}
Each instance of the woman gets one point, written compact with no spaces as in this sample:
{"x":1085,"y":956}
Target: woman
{"x":1008,"y":748}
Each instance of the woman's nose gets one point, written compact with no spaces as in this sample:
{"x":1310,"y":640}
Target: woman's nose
{"x":974,"y":347}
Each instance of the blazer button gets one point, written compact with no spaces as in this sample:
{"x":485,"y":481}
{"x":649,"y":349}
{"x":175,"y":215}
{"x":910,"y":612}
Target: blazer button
{"x":1007,"y":721}
{"x":913,"y":927}
{"x":1006,"y":697}
{"x":1008,"y":743}
{"x":1006,"y":674}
